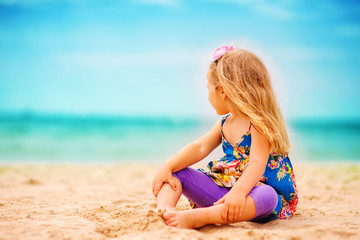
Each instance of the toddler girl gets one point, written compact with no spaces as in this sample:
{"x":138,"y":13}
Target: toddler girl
{"x":255,"y":179}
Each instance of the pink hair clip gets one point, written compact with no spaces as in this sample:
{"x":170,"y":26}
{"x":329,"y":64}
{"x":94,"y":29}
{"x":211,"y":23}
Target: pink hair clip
{"x":220,"y":52}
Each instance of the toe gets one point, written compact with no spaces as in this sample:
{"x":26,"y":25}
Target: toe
{"x":169,"y":221}
{"x":172,"y":223}
{"x":168,"y":215}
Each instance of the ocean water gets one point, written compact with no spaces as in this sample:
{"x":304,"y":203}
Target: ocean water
{"x":97,"y":139}
{"x":326,"y":139}
{"x":59,"y":138}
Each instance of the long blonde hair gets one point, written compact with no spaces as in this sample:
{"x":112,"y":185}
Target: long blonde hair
{"x":246,"y":82}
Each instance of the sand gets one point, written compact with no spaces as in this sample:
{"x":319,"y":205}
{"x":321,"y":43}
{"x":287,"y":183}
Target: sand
{"x":115,"y":202}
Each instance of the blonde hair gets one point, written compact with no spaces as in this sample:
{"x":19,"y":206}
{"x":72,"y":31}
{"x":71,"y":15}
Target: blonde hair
{"x":246,"y":82}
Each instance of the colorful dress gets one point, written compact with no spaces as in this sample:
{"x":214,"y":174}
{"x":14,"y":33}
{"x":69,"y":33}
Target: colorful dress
{"x":278,"y":174}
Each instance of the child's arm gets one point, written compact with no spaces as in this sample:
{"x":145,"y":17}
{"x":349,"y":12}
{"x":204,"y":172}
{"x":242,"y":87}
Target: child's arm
{"x":192,"y":153}
{"x":234,"y":200}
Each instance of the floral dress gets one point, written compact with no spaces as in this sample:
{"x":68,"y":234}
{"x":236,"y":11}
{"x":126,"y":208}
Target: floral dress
{"x":278,"y":174}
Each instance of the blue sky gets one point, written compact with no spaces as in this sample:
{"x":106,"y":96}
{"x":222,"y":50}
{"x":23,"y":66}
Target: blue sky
{"x":150,"y":57}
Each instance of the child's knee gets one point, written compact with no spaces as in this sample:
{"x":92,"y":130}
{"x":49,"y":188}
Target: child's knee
{"x":271,"y":196}
{"x":172,"y":184}
{"x":265,"y":199}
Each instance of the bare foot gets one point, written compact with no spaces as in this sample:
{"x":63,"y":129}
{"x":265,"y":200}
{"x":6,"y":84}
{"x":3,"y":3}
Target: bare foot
{"x":182,"y":219}
{"x":160,"y":211}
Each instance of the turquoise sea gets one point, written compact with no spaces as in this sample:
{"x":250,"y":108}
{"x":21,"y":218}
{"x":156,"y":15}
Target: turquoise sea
{"x":28,"y":137}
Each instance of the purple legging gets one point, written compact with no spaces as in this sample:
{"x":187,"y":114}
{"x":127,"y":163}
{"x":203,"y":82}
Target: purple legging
{"x":203,"y":191}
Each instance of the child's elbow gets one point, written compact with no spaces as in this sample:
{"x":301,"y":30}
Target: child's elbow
{"x":199,"y":149}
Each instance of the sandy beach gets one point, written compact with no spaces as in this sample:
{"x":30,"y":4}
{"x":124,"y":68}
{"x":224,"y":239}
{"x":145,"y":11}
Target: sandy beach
{"x":115,"y":202}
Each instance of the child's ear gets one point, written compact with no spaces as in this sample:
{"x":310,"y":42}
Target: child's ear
{"x":223,"y":94}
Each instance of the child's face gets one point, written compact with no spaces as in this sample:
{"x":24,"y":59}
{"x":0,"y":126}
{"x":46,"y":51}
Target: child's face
{"x":216,"y":96}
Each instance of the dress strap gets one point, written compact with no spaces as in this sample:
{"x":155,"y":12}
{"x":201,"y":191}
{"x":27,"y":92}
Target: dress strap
{"x":223,"y":119}
{"x":250,"y":127}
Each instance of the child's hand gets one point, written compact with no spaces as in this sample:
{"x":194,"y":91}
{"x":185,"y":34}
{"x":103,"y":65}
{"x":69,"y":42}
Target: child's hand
{"x":233,"y":206}
{"x":163,"y":176}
